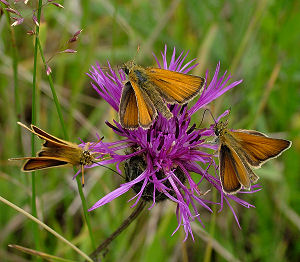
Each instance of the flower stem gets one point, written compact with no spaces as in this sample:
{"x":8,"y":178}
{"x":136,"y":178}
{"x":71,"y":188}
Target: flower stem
{"x":33,"y":120}
{"x":85,"y":13}
{"x":61,"y":119}
{"x":85,"y":210}
{"x":56,"y":102}
{"x":121,"y":228}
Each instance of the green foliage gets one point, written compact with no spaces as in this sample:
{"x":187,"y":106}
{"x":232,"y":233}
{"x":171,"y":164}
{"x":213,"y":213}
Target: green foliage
{"x":252,"y":39}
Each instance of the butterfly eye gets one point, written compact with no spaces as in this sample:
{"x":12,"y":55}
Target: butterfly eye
{"x":126,"y":70}
{"x":217,"y":131}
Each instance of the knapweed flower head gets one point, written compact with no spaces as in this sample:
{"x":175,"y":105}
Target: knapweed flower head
{"x":159,"y":162}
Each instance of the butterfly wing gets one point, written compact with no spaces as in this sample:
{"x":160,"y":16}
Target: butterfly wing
{"x":128,"y":109}
{"x":37,"y":163}
{"x":175,"y":87}
{"x":146,"y":109}
{"x":42,"y":134}
{"x":233,"y":173}
{"x":50,"y":141}
{"x":229,"y":179}
{"x":257,"y":148}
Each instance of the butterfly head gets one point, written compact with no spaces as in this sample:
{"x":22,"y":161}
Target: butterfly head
{"x":128,"y":67}
{"x":220,"y":128}
{"x":86,"y":158}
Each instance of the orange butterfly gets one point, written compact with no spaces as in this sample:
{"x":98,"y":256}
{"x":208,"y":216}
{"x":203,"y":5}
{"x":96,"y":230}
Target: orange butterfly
{"x":56,"y":152}
{"x":149,"y":89}
{"x":239,"y":151}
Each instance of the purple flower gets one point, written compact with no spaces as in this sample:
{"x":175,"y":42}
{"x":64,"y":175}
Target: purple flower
{"x":158,"y":161}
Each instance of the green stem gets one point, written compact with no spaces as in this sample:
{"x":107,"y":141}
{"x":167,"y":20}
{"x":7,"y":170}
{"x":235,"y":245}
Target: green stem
{"x":50,"y":230}
{"x":135,"y":213}
{"x":55,"y":98}
{"x":85,"y":210}
{"x":85,"y":12}
{"x":33,"y":120}
{"x":60,"y":115}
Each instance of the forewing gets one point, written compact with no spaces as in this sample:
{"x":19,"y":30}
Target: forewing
{"x":37,"y":163}
{"x":252,"y":176}
{"x":146,"y":109}
{"x":257,"y":147}
{"x":251,"y":132}
{"x":175,"y":87}
{"x":242,"y":171}
{"x":50,"y":140}
{"x":228,"y":173}
{"x":70,"y":155}
{"x":128,"y":109}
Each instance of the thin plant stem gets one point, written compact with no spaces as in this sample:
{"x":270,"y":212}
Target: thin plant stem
{"x":55,"y":98}
{"x":33,"y":120}
{"x":120,"y":229}
{"x":49,"y":229}
{"x":85,"y":210}
{"x":44,"y":255}
{"x":61,"y":119}
{"x":85,"y":13}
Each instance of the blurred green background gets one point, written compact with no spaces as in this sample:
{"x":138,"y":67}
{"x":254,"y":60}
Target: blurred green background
{"x":257,"y":41}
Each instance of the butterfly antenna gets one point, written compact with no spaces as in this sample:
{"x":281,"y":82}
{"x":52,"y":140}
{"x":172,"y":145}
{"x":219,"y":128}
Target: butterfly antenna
{"x":21,"y":124}
{"x":229,"y":109}
{"x":136,"y":53}
{"x":207,"y":110}
{"x":212,"y":116}
{"x":109,"y":169}
{"x":94,"y":144}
